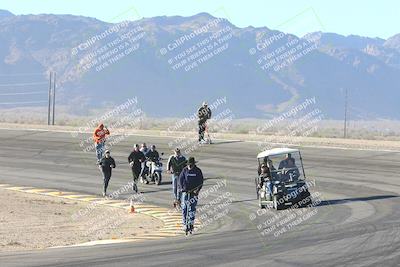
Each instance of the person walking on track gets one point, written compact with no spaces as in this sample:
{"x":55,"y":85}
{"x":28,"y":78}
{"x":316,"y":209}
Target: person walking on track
{"x":135,"y":160}
{"x":99,"y":137}
{"x":175,"y":165}
{"x":190,"y":182}
{"x":107,"y":163}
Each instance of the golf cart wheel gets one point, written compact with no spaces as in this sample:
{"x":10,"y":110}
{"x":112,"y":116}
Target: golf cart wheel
{"x":157,"y":178}
{"x":276,"y":204}
{"x":307,"y":203}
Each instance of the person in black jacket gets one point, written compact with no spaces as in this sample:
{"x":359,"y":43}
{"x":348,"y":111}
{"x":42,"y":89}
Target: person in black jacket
{"x":153,"y":154}
{"x":152,"y":157}
{"x":284,"y":163}
{"x":203,"y":114}
{"x":135,"y":160}
{"x":107,"y":163}
{"x":190,"y":183}
{"x":175,"y":165}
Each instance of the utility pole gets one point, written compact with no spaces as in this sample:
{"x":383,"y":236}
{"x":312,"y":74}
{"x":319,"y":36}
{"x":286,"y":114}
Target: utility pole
{"x":54,"y":96}
{"x":345,"y":116}
{"x":48,"y":111}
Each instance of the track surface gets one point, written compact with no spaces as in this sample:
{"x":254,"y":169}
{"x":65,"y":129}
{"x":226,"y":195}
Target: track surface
{"x":357,"y":224}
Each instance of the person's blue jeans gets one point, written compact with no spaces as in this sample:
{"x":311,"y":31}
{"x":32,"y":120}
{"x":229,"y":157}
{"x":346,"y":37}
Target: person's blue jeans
{"x":188,"y":205}
{"x":269,"y":186}
{"x":177,"y":194}
{"x":99,"y":151}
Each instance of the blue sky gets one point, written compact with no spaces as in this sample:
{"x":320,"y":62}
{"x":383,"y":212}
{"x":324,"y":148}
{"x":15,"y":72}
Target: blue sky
{"x":371,"y":18}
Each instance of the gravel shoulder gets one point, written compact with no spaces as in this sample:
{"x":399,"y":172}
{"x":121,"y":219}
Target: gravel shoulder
{"x":30,"y":221}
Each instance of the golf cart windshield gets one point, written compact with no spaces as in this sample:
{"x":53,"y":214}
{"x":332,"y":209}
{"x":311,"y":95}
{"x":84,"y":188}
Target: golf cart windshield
{"x":285,"y":165}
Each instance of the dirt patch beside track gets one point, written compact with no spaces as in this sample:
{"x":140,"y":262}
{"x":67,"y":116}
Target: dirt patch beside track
{"x":30,"y":221}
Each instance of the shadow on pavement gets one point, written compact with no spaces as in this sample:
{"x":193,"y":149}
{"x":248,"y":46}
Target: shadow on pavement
{"x":349,"y":200}
{"x":225,"y":142}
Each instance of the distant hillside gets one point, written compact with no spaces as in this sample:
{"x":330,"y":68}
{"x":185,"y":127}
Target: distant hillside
{"x":368,"y":67}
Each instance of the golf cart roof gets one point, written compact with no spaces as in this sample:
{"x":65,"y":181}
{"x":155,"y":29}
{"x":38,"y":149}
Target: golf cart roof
{"x":276,"y":151}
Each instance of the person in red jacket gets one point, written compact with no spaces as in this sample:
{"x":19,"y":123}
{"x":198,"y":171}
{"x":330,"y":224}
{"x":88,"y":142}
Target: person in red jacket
{"x":99,"y":137}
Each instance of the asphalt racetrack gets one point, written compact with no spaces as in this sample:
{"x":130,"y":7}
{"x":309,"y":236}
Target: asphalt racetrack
{"x":356,"y":222}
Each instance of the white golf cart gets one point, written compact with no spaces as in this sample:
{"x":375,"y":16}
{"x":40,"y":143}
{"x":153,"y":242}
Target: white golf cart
{"x":281,"y":179}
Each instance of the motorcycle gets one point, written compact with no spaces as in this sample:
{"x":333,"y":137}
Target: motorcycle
{"x":153,"y":170}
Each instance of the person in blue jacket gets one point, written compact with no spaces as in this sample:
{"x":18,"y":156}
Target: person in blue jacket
{"x":190,"y":183}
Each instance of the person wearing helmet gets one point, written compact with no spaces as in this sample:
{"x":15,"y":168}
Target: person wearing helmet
{"x":107,"y":163}
{"x":152,"y":156}
{"x":203,"y":114}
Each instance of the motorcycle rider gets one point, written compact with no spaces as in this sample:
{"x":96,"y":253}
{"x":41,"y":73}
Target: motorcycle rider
{"x":107,"y":163}
{"x":99,"y":137}
{"x":190,"y":183}
{"x":135,"y":159}
{"x":152,"y":157}
{"x":175,"y":165}
{"x":153,"y":154}
{"x":203,"y":114}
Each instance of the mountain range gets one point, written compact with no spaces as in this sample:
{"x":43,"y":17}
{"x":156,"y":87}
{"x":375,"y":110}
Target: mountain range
{"x":172,"y":64}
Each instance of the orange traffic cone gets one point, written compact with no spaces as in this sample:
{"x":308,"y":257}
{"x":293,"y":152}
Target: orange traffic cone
{"x":131,"y":207}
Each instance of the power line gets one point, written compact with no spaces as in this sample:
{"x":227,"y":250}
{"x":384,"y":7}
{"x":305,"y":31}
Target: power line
{"x":22,"y":74}
{"x":24,"y":93}
{"x":21,"y":84}
{"x":26,"y":102}
{"x":51,"y":93}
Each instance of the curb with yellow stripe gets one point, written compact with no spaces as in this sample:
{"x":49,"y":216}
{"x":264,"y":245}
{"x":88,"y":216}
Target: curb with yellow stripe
{"x":172,"y":221}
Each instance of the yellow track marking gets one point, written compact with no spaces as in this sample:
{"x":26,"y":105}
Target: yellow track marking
{"x":36,"y":190}
{"x":172,"y":221}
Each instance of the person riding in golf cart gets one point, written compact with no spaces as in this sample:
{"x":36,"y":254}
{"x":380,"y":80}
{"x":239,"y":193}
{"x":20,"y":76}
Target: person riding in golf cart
{"x":288,"y":168}
{"x":267,"y":175}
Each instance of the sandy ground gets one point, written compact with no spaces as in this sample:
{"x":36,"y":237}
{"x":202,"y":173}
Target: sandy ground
{"x":263,"y":141}
{"x":29,"y":221}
